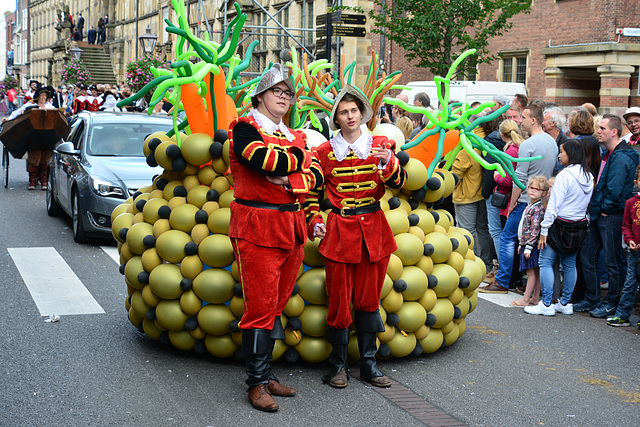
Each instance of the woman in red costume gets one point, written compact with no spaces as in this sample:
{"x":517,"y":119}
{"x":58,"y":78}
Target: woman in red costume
{"x":272,"y":174}
{"x":357,"y":240}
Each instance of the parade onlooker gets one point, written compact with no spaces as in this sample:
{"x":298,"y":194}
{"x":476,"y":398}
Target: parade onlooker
{"x":631,"y":234}
{"x":418,"y":125}
{"x":614,"y":186}
{"x":540,"y":143}
{"x":528,"y":236}
{"x":422,"y":100}
{"x":569,"y":200}
{"x":554,"y":120}
{"x":405,"y":125}
{"x":80,"y":26}
{"x":470,"y":206}
{"x":92,"y":35}
{"x":632,"y":117}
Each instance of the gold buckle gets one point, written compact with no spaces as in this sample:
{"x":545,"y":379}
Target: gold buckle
{"x":342,"y":213}
{"x":298,"y":205}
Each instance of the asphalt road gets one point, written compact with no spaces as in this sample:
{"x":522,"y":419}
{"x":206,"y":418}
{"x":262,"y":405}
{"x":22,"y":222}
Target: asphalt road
{"x":508,"y":369}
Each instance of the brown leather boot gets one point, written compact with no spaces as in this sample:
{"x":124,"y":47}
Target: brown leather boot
{"x":277,"y":389}
{"x":340,"y":379}
{"x":261,"y":399}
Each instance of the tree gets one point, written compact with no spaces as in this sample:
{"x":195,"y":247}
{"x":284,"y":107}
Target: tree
{"x":435,"y":32}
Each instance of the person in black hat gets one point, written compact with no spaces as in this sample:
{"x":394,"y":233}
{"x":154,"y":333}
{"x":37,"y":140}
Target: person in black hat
{"x":30,"y":93}
{"x":58,"y":98}
{"x":37,"y":159}
{"x":80,"y":103}
{"x":94,"y":101}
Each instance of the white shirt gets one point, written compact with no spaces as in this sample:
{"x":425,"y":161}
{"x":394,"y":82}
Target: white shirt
{"x":361,"y":147}
{"x":269,"y":126}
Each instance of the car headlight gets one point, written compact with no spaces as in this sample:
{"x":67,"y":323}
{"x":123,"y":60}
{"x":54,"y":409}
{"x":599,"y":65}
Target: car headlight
{"x":106,"y":188}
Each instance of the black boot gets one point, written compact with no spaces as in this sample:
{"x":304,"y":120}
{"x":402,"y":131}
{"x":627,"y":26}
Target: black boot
{"x":339,"y":340}
{"x":256,"y":344}
{"x":275,"y":388}
{"x":367,"y":325}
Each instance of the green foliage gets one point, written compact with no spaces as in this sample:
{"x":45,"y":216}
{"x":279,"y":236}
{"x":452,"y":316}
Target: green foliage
{"x":434,"y":32}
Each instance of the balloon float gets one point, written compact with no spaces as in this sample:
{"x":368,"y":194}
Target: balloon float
{"x":175,"y":253}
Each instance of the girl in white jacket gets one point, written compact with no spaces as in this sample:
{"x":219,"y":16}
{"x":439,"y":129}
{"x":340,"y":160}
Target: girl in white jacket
{"x":569,"y":200}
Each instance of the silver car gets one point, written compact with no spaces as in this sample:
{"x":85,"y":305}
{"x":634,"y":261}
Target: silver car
{"x":100,"y":166}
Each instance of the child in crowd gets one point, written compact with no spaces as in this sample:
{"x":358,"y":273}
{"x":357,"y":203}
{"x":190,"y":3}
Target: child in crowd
{"x":528,"y":234}
{"x":631,"y":234}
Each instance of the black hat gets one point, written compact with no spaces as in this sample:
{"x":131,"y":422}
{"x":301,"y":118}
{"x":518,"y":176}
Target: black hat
{"x":34,"y":81}
{"x":93,"y":87}
{"x":48,"y":89}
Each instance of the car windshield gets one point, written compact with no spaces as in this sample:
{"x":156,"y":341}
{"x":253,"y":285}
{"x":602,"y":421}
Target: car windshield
{"x":121,"y":139}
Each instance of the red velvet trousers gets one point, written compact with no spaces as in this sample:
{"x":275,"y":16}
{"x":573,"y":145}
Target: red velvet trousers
{"x":358,"y":283}
{"x":267,"y":276}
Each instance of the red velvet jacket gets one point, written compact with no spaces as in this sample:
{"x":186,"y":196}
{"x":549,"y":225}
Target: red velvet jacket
{"x":93,"y":103}
{"x":255,"y":154}
{"x":350,"y":183}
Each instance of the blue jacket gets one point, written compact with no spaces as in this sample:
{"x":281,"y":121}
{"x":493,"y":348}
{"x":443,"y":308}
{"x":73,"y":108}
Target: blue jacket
{"x":615,"y":186}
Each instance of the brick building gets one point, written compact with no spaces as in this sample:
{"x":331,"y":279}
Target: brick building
{"x":565,"y":51}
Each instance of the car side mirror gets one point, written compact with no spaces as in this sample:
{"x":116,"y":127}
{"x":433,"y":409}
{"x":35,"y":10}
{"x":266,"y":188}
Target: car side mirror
{"x":67,"y":148}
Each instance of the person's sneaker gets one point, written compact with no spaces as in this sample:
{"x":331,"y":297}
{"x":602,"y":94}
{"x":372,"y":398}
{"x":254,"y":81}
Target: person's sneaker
{"x":584,"y":306}
{"x":564,"y":309}
{"x":616,"y":321}
{"x":603,"y":311}
{"x":540,"y":309}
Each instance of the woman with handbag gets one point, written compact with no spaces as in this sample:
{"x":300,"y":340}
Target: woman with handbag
{"x":563,"y":225}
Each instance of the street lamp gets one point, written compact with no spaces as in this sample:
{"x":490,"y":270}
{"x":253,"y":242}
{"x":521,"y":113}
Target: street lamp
{"x":148,"y":41}
{"x":75,"y":52}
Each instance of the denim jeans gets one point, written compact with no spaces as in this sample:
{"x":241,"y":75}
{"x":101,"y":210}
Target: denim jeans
{"x":495,"y":226}
{"x":508,"y":242}
{"x":604,"y":233}
{"x":628,"y":294}
{"x":547,"y":258}
{"x":473,"y":217}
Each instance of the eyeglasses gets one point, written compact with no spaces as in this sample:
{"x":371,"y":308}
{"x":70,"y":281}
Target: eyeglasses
{"x":279,"y":92}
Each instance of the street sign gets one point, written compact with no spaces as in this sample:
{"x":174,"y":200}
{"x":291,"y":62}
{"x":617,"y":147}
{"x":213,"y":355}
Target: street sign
{"x":321,"y":32}
{"x":631,"y":32}
{"x":321,"y":43}
{"x":321,"y":19}
{"x":352,"y":19}
{"x":345,"y":31}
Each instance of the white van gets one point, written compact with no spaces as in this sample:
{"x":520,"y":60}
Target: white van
{"x":465,"y":91}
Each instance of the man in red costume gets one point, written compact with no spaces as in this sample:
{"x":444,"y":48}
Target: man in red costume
{"x":93,"y":101}
{"x":272,"y":173}
{"x":357,"y":240}
{"x":80,"y":102}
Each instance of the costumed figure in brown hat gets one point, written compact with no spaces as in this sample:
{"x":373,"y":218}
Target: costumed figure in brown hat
{"x":37,"y":159}
{"x":272,"y":174}
{"x":357,"y":240}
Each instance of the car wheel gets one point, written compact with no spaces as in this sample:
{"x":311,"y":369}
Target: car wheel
{"x":53,"y":209}
{"x":78,"y":226}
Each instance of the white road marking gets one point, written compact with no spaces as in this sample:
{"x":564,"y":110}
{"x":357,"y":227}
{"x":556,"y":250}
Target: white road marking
{"x":112,"y":251}
{"x":54,"y":287}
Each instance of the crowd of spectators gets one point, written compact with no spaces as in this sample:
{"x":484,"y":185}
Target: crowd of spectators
{"x":586,"y":174}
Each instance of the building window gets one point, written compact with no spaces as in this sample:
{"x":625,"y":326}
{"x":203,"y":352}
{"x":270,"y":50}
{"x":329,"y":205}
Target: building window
{"x":18,"y":58}
{"x":310,"y":18}
{"x":25,"y":19}
{"x":25,"y":52}
{"x":514,"y":68}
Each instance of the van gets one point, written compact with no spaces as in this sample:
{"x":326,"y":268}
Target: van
{"x":465,"y":91}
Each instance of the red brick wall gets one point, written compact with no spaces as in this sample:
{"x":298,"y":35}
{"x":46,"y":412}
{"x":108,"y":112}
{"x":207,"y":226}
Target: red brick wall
{"x":558,"y":22}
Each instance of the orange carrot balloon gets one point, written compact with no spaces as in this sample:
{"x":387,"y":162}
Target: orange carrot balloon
{"x":218,"y":117}
{"x":427,"y":149}
{"x":232,"y":113}
{"x":194,"y":108}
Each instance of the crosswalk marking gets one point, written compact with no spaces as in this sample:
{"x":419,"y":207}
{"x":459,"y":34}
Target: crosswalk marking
{"x":54,"y":287}
{"x":112,"y":251}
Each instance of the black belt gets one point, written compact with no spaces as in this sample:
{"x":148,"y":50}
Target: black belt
{"x":374,"y":207}
{"x":288,"y":207}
